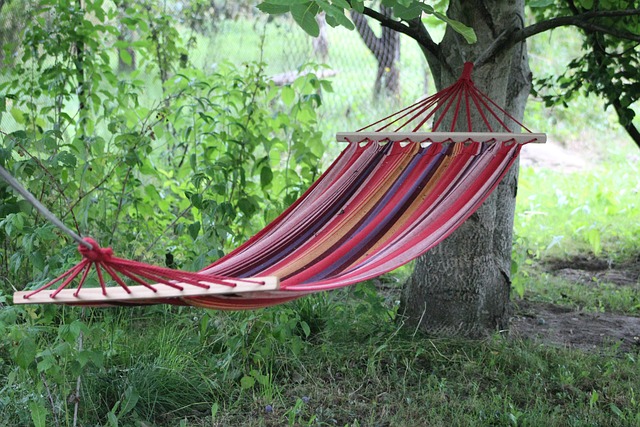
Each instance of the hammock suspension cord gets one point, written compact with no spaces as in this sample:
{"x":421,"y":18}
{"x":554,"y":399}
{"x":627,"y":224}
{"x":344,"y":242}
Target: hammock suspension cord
{"x":102,"y":259}
{"x":42,"y":209}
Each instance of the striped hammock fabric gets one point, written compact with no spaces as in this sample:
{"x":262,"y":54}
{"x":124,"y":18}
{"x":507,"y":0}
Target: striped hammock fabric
{"x":388,"y":198}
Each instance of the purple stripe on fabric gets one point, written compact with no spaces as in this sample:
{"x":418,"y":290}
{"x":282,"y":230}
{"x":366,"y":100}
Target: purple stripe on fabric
{"x":479,"y":162}
{"x":320,"y":222}
{"x":304,"y":215}
{"x":289,"y":219}
{"x":471,"y":169}
{"x":365,"y":242}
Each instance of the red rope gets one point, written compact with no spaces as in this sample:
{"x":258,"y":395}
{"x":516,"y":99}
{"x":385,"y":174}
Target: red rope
{"x":75,"y":271}
{"x":82,"y":279}
{"x":102,"y":259}
{"x":101,"y":279}
{"x":449,"y":102}
{"x":467,"y":106}
{"x":478,"y":103}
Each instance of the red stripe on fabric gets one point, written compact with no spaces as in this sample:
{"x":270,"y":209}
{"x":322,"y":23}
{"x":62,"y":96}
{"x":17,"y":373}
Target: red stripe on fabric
{"x":355,"y":210}
{"x":336,"y":169}
{"x":416,"y":241}
{"x":307,"y":215}
{"x":285,"y":223}
{"x":458,"y":163}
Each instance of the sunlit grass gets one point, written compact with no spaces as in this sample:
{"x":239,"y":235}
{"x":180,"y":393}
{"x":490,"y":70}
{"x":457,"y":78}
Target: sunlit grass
{"x":593,"y":211}
{"x":594,"y":296}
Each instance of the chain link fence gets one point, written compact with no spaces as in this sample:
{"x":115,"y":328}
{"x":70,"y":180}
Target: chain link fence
{"x":373,"y":72}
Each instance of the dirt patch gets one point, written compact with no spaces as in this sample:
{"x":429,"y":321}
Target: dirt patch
{"x":552,"y":155}
{"x":586,"y":270}
{"x":566,"y":327}
{"x":562,"y":326}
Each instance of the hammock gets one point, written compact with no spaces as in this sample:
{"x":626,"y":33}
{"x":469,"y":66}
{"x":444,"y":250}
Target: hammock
{"x":389,"y":197}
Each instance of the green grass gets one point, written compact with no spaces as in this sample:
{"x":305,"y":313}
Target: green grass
{"x":591,"y":211}
{"x":596,"y":296}
{"x":361,"y":370}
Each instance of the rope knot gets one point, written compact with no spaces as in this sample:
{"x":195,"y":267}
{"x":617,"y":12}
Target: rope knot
{"x":466,"y":71}
{"x":96,"y":253}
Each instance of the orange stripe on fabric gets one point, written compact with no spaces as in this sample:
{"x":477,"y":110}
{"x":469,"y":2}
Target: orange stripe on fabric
{"x":355,"y":210}
{"x":458,"y":162}
{"x":401,"y":221}
{"x":290,"y":223}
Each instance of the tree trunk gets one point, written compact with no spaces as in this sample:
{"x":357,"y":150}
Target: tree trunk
{"x":386,"y":49}
{"x":462,"y":286}
{"x":321,"y":43}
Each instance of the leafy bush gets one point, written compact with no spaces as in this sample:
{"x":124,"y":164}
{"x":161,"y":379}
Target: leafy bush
{"x":176,"y":176}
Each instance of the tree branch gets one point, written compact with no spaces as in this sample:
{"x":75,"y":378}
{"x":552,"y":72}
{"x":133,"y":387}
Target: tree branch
{"x":628,"y":125}
{"x":631,"y":129}
{"x":580,"y":21}
{"x":509,"y":39}
{"x":367,"y":35}
{"x":413,"y":29}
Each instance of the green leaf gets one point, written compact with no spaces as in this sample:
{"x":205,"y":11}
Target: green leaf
{"x":336,"y":13}
{"x":540,"y":3}
{"x":407,"y":13}
{"x":26,"y":352}
{"x":288,"y":95}
{"x":305,"y":16}
{"x":18,"y":116}
{"x":466,"y":32}
{"x":38,"y":260}
{"x":196,"y":200}
{"x":97,"y":358}
{"x":305,"y":328}
{"x":274,"y":9}
{"x":125,"y":56}
{"x":113,"y":420}
{"x":593,"y":237}
{"x":194,"y":229}
{"x":131,"y":397}
{"x":247,"y":206}
{"x":266,"y":176}
{"x":342,"y":3}
{"x":38,"y":413}
{"x":214,"y":410}
{"x":47,"y":362}
{"x":247,"y":382}
{"x":67,"y":159}
{"x":287,"y":2}
{"x":427,"y":9}
{"x":616,"y":410}
{"x":358,"y":5}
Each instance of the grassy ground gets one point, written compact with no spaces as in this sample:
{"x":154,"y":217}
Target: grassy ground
{"x":357,"y":367}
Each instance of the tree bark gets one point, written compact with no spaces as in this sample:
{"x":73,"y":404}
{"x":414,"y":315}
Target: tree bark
{"x":386,"y":50}
{"x":462,"y":286}
{"x":321,"y":43}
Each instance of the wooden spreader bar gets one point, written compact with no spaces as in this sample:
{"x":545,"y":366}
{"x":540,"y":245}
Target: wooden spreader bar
{"x":442,"y":137}
{"x":142,"y":293}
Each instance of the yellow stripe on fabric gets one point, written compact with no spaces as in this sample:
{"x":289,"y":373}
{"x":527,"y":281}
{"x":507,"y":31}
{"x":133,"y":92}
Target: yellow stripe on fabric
{"x":341,"y":225}
{"x":415,"y":205}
